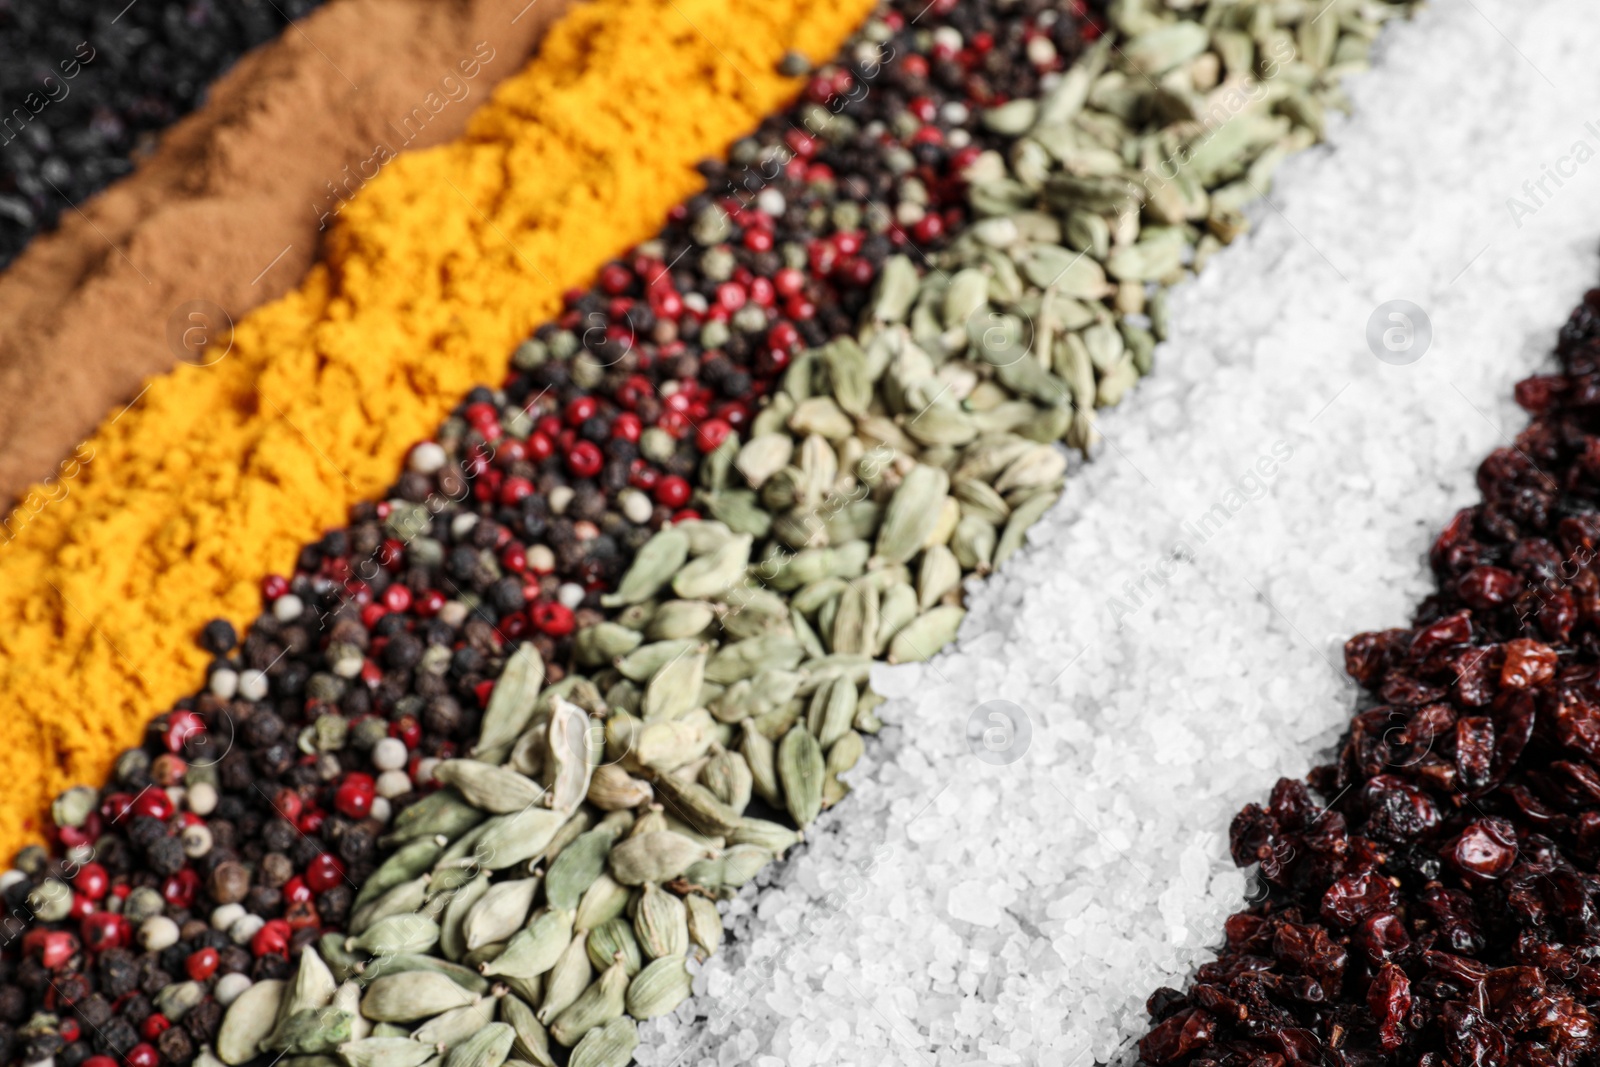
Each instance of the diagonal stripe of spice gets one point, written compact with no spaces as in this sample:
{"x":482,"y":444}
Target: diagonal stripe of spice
{"x":1428,"y":896}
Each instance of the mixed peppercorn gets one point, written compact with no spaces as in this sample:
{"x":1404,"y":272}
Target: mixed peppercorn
{"x":240,"y":830}
{"x":1437,"y":904}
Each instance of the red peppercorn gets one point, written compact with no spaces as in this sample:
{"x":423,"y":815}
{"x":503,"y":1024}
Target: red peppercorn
{"x":371,"y":613}
{"x":99,"y":1061}
{"x":397,"y":598}
{"x":273,"y":586}
{"x":788,"y":281}
{"x":672,"y":492}
{"x":585,"y":459}
{"x":272,"y":939}
{"x":201,"y":964}
{"x":354,"y":795}
{"x":627,"y":427}
{"x":800,"y":309}
{"x":154,"y":803}
{"x":180,"y":889}
{"x":80,"y":908}
{"x":710,"y":434}
{"x":69,"y":1030}
{"x":428,"y":603}
{"x":310,"y":823}
{"x":731,"y":295}
{"x":181,"y":725}
{"x":143,"y":1055}
{"x":56,"y":949}
{"x":513,"y":491}
{"x":324,"y":872}
{"x":758,"y":240}
{"x":615,"y":278}
{"x":552,"y":618}
{"x":92,"y":881}
{"x":408,"y":730}
{"x":928,"y":228}
{"x":581,"y":408}
{"x":288,"y":803}
{"x":155,"y":1024}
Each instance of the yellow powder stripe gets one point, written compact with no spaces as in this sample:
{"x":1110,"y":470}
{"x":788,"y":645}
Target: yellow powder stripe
{"x":439,"y":267}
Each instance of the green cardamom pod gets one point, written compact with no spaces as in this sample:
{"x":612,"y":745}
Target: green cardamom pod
{"x":581,"y":862}
{"x":603,"y":900}
{"x":408,"y":862}
{"x":973,"y":544}
{"x":774,"y":837}
{"x":800,"y":770}
{"x":610,"y":1045}
{"x":714,"y":573}
{"x":513,"y":839}
{"x":845,"y":754}
{"x":450,"y":1028}
{"x":659,"y":856}
{"x":534,"y":949}
{"x":657,"y":560}
{"x":443,"y":813}
{"x":567,"y":979}
{"x":697,"y":806}
{"x":675,"y":688}
{"x":740,"y":863}
{"x":598,"y":645}
{"x":512,"y":703}
{"x":1025,"y":515}
{"x":897,"y":607}
{"x":532,"y":1044}
{"x":464,"y":977}
{"x":727,"y":776}
{"x":500,"y":913}
{"x":248,"y":1022}
{"x":761,"y":756}
{"x":661,"y":923}
{"x":497,"y":790}
{"x":386,"y":1052}
{"x":613,"y":940}
{"x":488,"y":1047}
{"x":744,"y":659}
{"x":613,"y":789}
{"x":679,"y":619}
{"x":310,"y":1032}
{"x":911,"y":514}
{"x":404,"y":933}
{"x":705,"y":925}
{"x":659,"y":988}
{"x":452,"y":933}
{"x":412,"y":995}
{"x":926,"y":635}
{"x":597,"y":1005}
{"x":832,"y":710}
{"x":642,"y":663}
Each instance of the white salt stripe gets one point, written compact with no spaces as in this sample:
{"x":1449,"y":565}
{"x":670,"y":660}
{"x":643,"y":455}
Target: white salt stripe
{"x":954,"y":911}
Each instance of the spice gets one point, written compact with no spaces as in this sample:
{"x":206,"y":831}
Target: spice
{"x":86,"y":616}
{"x":1421,"y":897}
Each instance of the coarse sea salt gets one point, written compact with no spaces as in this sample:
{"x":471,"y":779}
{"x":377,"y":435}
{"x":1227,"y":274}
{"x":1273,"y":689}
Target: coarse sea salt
{"x":1172,"y":634}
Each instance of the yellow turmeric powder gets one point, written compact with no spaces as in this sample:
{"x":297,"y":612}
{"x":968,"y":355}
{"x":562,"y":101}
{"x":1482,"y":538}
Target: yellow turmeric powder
{"x":217,"y":474}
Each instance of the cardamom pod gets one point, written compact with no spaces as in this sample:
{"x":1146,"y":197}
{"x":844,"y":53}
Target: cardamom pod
{"x":659,"y":856}
{"x":613,"y":789}
{"x":659,"y":988}
{"x":613,"y":940}
{"x":566,"y":981}
{"x":513,"y":700}
{"x":500,"y":913}
{"x":800,"y":768}
{"x":405,"y":933}
{"x":597,"y":1005}
{"x":450,"y":1028}
{"x":598,"y":645}
{"x":641,"y":664}
{"x":716,"y":572}
{"x":761,"y":756}
{"x":661,"y":923}
{"x":603,"y":900}
{"x":512,"y":839}
{"x":532,"y":1044}
{"x":488,"y":1047}
{"x":696,"y":805}
{"x":675,"y":688}
{"x":833,"y":709}
{"x":534,"y":949}
{"x":412,"y":995}
{"x":497,"y":790}
{"x":386,"y":1052}
{"x":705,"y":926}
{"x":925,"y":635}
{"x":452,"y":935}
{"x":911,"y":514}
{"x":580,"y":863}
{"x":728,"y":777}
{"x":679,"y":619}
{"x":403,"y":899}
{"x":443,"y":813}
{"x":574,"y":750}
{"x":610,"y":1045}
{"x":1023,"y":517}
{"x":248,"y":1022}
{"x":845,"y":754}
{"x":774,"y":837}
{"x":464,"y":977}
{"x":657,"y":560}
{"x":408,"y":862}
